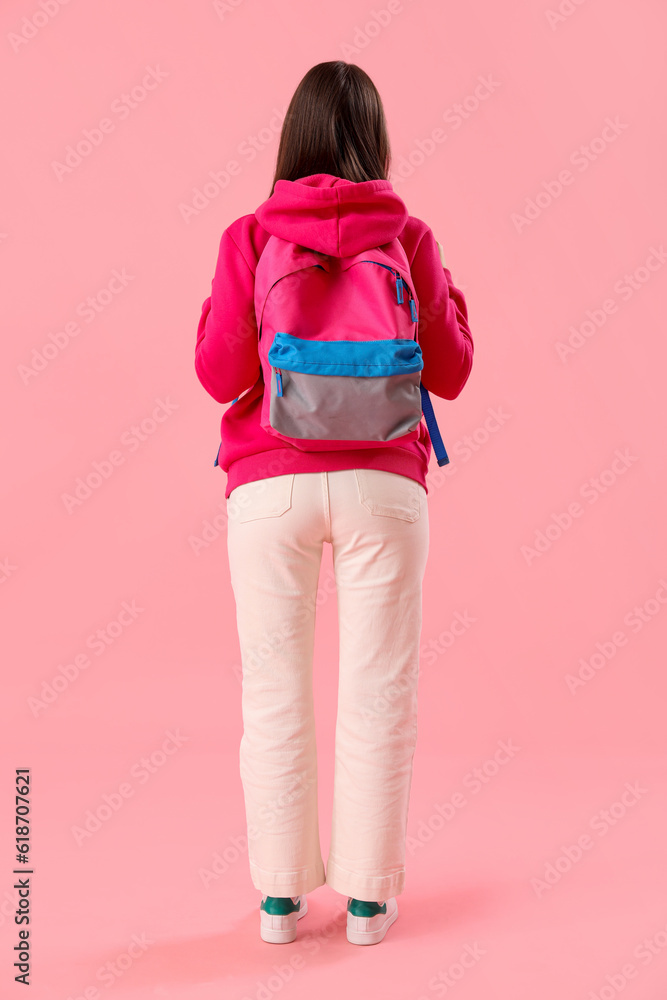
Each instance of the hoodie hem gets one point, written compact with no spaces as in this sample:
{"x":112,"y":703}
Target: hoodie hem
{"x":281,"y":461}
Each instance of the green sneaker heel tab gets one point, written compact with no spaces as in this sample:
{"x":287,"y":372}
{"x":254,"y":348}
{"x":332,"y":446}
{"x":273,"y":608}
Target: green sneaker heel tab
{"x":361,"y":908}
{"x":279,"y":905}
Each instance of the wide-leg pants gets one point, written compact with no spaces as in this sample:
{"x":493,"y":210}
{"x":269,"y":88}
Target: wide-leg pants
{"x":377,"y":525}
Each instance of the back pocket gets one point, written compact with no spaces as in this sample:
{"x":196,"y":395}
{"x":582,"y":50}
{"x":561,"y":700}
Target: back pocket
{"x":389,"y":494}
{"x":261,"y":498}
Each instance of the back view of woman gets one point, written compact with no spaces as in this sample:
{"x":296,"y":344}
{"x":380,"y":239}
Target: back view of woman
{"x":331,"y":195}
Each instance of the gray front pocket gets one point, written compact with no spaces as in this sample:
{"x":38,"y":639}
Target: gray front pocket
{"x":344,"y":390}
{"x":345,"y":407}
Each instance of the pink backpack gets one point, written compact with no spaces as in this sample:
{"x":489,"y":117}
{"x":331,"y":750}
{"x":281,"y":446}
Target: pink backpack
{"x":338,"y":349}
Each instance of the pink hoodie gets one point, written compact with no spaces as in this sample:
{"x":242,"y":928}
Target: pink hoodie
{"x":336,"y":217}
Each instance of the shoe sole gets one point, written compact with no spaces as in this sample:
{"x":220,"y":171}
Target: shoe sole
{"x":278,"y":929}
{"x":355,"y":936}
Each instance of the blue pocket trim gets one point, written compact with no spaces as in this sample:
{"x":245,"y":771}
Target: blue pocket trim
{"x":345,"y":357}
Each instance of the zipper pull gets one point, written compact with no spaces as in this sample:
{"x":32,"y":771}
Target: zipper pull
{"x":413,"y":310}
{"x":399,"y":288}
{"x":279,"y":380}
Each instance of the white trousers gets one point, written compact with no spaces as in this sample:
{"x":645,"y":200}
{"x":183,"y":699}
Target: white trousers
{"x":377,"y":525}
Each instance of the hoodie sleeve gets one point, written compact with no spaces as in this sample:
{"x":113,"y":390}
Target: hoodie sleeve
{"x":444,"y":333}
{"x":226,"y":354}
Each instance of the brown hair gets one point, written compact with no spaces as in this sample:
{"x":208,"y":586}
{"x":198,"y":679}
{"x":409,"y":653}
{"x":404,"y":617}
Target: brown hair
{"x":335,"y":124}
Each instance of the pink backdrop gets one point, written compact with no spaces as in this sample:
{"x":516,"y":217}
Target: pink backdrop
{"x":531,"y":139}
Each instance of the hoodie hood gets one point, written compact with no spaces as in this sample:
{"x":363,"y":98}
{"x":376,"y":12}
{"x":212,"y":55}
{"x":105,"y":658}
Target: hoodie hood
{"x":333,"y":215}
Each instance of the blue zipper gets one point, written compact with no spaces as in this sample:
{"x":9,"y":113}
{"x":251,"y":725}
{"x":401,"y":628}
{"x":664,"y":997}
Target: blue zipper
{"x":400,"y":285}
{"x":397,"y":277}
{"x":279,"y":381}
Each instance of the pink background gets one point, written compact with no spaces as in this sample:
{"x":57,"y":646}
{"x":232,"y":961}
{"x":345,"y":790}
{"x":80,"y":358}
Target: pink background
{"x":600,"y":928}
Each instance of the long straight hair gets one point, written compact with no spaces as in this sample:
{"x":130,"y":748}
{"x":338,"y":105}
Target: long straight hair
{"x":335,"y":124}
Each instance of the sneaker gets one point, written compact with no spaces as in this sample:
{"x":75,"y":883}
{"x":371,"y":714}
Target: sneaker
{"x":367,"y":923}
{"x":278,"y":917}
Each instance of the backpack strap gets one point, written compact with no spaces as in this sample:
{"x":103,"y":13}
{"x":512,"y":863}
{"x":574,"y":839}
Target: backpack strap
{"x":433,"y":430}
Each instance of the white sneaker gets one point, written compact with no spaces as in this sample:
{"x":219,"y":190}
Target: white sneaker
{"x":366,"y":927}
{"x":278,"y":917}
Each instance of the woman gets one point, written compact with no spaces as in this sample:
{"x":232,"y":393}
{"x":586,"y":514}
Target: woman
{"x":330,"y":194}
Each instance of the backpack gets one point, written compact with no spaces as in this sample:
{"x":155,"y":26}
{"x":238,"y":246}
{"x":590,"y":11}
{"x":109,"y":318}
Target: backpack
{"x":338,"y":349}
